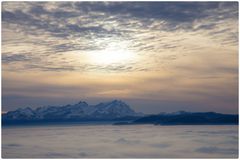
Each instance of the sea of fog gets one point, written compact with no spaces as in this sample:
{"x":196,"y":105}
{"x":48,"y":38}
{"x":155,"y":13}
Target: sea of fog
{"x":125,"y":141}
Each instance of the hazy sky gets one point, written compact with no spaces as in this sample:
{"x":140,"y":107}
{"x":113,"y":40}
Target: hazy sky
{"x":157,"y":56}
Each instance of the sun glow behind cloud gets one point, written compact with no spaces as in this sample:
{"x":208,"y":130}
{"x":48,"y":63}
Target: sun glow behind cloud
{"x":114,"y":53}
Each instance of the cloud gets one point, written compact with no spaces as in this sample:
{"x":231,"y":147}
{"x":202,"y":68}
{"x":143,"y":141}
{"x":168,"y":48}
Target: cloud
{"x":110,"y":141}
{"x":12,"y":145}
{"x":128,"y":142}
{"x":55,"y":154}
{"x":218,"y":150}
{"x":96,"y":20}
{"x":83,"y":154}
{"x":14,"y":58}
{"x":218,"y":132}
{"x":161,"y":145}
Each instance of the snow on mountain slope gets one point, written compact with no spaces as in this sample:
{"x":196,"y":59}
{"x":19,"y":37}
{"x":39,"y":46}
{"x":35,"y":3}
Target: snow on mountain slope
{"x":107,"y":110}
{"x":21,"y":113}
{"x":115,"y":108}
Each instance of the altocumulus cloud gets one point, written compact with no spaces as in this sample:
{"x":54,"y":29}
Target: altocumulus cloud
{"x":62,"y":27}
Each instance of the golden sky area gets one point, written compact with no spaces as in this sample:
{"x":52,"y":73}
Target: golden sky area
{"x":157,"y":56}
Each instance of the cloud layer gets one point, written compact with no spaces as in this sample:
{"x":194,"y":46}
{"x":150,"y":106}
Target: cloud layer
{"x":53,"y":29}
{"x":109,"y":141}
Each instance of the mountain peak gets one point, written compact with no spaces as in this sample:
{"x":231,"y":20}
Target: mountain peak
{"x":117,"y":101}
{"x":181,"y":112}
{"x":27,"y":109}
{"x":82,"y":102}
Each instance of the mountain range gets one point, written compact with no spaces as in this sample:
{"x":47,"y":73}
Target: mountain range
{"x":116,"y":111}
{"x":82,"y":111}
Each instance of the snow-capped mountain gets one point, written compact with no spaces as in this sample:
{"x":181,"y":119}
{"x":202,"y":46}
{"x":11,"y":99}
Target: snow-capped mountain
{"x":113,"y":109}
{"x":108,"y":110}
{"x":21,"y":113}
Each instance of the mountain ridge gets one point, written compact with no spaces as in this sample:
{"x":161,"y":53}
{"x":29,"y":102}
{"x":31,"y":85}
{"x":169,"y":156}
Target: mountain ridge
{"x":189,"y":118}
{"x":114,"y":111}
{"x":82,"y":110}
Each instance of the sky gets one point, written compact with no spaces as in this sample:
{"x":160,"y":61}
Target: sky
{"x":156,"y":56}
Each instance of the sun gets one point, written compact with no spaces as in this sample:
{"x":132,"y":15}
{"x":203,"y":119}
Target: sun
{"x":111,"y":55}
